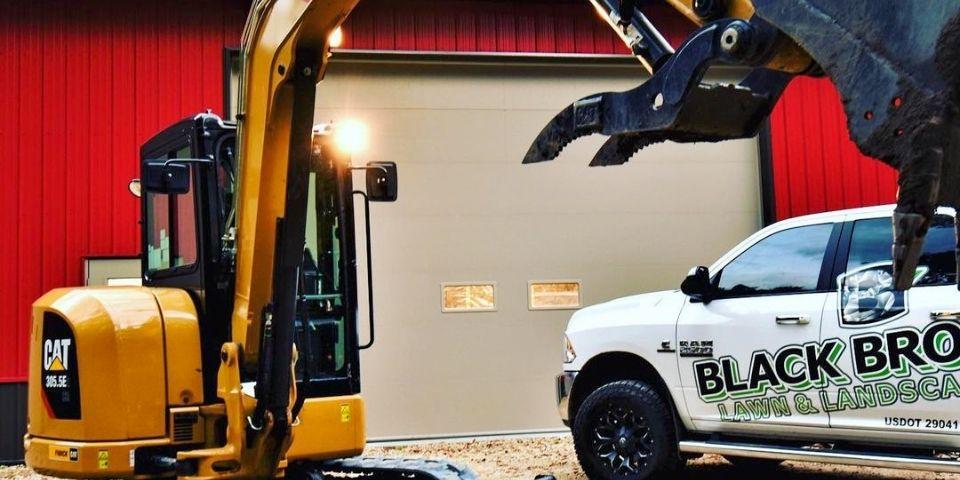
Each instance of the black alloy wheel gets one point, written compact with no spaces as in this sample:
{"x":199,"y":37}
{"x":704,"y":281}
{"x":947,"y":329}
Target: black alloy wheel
{"x":622,"y":440}
{"x":624,"y":431}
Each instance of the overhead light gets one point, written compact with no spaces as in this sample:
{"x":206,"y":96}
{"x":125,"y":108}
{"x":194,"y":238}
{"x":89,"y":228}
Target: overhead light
{"x":351,"y":136}
{"x":336,"y":38}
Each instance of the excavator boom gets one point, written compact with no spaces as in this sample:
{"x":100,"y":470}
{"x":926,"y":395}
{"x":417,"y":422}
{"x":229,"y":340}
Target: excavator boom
{"x":285,"y":51}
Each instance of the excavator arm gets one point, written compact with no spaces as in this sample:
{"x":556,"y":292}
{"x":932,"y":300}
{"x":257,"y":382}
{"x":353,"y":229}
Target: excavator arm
{"x":285,"y":51}
{"x":895,"y":63}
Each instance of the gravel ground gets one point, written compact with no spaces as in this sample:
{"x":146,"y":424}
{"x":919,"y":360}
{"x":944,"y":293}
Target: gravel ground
{"x":524,"y":458}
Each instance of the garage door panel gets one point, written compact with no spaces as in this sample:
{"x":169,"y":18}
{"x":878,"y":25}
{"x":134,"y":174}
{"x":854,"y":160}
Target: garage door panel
{"x":469,"y":211}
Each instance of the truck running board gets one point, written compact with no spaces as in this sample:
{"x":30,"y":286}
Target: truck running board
{"x":800,"y":454}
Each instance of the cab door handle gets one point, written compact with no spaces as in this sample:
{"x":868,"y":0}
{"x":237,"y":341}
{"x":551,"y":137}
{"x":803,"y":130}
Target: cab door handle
{"x":792,"y":319}
{"x":953,"y":315}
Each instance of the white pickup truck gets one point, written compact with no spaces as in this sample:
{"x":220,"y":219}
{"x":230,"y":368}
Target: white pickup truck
{"x":792,"y":346}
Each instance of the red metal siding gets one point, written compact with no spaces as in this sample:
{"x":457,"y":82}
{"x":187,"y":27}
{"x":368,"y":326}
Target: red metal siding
{"x":816,"y":167}
{"x":529,"y":26}
{"x":82,"y":85}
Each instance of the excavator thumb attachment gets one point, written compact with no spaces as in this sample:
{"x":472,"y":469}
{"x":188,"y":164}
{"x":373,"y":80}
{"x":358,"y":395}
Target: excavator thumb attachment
{"x":673,"y":104}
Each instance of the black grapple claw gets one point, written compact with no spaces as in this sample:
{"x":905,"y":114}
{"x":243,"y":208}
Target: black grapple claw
{"x":671,"y":105}
{"x":579,"y":119}
{"x":618,"y":149}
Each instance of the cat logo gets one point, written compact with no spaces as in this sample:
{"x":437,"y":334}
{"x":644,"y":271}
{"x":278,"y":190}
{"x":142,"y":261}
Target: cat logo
{"x":56,"y":356}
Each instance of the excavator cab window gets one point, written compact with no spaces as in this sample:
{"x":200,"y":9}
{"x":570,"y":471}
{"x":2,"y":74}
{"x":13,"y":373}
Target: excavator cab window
{"x":325,"y":333}
{"x":171,"y":241}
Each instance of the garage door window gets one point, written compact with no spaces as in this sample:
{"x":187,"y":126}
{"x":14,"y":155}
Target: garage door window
{"x":468,"y":297}
{"x":785,"y":262}
{"x":555,"y":295}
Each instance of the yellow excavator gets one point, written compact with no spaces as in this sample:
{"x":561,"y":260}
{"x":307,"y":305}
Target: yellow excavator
{"x":238,"y":358}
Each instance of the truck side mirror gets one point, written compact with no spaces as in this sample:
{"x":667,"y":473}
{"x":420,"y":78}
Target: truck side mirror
{"x":165,"y":177}
{"x":382,"y":181}
{"x":697,"y":285}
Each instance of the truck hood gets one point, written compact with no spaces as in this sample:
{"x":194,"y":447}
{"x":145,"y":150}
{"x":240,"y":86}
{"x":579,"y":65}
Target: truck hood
{"x":635,"y":309}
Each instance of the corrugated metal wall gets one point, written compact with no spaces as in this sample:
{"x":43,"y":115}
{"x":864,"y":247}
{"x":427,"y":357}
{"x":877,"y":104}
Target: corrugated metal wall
{"x":508,"y":26}
{"x":816,"y":167}
{"x":82,"y":85}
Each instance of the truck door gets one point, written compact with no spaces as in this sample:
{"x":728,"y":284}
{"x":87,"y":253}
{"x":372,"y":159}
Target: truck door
{"x":903,"y":350}
{"x":750,"y":358}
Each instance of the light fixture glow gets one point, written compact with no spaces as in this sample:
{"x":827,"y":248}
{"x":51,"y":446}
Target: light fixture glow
{"x":351,"y":136}
{"x":336,"y":38}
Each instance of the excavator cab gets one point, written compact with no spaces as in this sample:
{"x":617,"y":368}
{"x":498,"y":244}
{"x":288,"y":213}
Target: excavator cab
{"x":187,"y":187}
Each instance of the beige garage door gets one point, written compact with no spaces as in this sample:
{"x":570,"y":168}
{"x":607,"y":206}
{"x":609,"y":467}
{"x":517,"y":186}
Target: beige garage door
{"x":468,"y":212}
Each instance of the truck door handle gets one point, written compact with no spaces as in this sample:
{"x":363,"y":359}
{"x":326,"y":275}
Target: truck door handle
{"x":792,"y":319}
{"x":953,"y":315}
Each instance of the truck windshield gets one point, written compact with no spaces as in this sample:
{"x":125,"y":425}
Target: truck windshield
{"x":321,"y":327}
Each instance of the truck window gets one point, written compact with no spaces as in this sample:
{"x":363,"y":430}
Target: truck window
{"x":785,"y":262}
{"x":870,"y":245}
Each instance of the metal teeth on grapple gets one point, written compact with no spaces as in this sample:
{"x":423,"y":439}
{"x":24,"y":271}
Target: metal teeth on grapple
{"x":554,"y":137}
{"x":618,"y":149}
{"x":579,"y":119}
{"x":919,"y":182}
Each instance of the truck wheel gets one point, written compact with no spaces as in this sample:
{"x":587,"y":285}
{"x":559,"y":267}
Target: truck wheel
{"x":754,"y":464}
{"x":624,"y":430}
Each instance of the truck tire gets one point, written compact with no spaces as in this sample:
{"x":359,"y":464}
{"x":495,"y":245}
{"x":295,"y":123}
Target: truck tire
{"x":624,"y":430}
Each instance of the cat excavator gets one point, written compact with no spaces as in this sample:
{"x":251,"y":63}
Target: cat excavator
{"x":238,"y":357}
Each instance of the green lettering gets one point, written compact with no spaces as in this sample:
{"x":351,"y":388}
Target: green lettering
{"x":866,"y":396}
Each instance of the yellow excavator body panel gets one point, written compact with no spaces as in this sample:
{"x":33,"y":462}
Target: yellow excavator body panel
{"x":329,"y":427}
{"x":97,"y":353}
{"x":109,"y":362}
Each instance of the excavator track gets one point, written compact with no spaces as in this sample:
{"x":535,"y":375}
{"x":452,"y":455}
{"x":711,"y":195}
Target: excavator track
{"x":378,"y":468}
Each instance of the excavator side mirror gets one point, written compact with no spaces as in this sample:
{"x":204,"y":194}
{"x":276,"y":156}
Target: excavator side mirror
{"x":697,"y":285}
{"x":165,"y":177}
{"x":382,"y":181}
